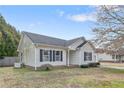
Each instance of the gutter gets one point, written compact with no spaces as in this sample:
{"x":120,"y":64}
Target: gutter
{"x":39,"y":44}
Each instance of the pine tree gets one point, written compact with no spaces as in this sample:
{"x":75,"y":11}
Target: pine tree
{"x":9,"y":38}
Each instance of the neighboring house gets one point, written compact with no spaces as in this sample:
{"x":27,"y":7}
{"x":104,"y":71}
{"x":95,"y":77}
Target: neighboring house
{"x":119,"y":55}
{"x":103,"y":55}
{"x":36,"y":50}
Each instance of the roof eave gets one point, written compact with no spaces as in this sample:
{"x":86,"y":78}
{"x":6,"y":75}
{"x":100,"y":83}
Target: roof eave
{"x":39,"y":44}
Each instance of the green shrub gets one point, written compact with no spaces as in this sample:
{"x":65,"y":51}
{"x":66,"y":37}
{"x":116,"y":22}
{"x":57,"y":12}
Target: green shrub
{"x":84,"y":66}
{"x":1,"y":57}
{"x":94,"y":64}
{"x":46,"y":67}
{"x":98,"y":63}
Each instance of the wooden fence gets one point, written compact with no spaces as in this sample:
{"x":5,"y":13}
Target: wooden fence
{"x":8,"y":61}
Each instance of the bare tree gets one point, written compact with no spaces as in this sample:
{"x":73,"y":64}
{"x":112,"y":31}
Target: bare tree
{"x":109,"y":30}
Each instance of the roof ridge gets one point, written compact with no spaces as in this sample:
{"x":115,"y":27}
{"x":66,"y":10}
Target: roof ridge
{"x":76,"y":38}
{"x":44,"y":35}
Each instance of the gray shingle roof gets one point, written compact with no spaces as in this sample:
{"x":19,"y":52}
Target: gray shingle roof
{"x":82,"y":44}
{"x":36,"y":38}
{"x":69,"y":42}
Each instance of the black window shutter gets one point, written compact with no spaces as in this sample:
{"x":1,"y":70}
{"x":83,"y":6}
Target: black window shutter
{"x":50,"y":55}
{"x":41,"y":55}
{"x":61,"y":55}
{"x":90,"y":56}
{"x":53,"y":55}
{"x":84,"y":56}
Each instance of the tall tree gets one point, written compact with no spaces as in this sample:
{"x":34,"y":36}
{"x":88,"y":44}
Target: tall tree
{"x":109,"y":31}
{"x":9,"y":38}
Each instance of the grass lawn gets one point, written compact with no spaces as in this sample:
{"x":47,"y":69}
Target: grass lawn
{"x":69,"y":77}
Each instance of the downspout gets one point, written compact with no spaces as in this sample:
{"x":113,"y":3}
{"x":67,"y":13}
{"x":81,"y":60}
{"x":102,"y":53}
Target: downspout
{"x":35,"y":59}
{"x":68,"y":58}
{"x":19,"y":57}
{"x":115,"y":57}
{"x":80,"y":58}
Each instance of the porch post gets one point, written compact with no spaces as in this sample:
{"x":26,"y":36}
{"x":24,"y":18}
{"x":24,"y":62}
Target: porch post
{"x":20,"y":57}
{"x":68,"y":57}
{"x":115,"y":57}
{"x":35,"y":59}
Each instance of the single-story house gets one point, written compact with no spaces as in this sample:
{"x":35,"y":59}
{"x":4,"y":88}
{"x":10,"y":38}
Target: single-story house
{"x":104,"y":55}
{"x":36,"y":50}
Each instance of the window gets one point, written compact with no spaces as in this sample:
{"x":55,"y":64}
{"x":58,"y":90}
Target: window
{"x":58,"y":56}
{"x":46,"y":55}
{"x":51,"y":55}
{"x":87,"y":56}
{"x":113,"y":56}
{"x":118,"y":56}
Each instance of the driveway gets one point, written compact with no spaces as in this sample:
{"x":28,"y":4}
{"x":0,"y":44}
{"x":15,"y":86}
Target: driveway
{"x":112,"y":65}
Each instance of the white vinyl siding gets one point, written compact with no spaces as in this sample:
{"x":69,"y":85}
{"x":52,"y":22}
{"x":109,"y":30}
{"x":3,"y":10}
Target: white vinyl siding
{"x":74,"y":57}
{"x":27,"y":52}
